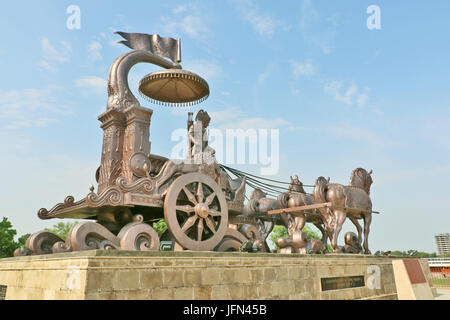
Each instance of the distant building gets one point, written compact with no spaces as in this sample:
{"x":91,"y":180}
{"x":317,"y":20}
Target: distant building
{"x":443,"y":243}
{"x":440,"y":268}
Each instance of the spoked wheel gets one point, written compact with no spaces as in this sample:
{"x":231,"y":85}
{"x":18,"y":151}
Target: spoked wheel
{"x":196,"y":212}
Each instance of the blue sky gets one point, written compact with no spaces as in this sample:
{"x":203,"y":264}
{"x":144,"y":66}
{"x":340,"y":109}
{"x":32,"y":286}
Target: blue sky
{"x":341,"y":95}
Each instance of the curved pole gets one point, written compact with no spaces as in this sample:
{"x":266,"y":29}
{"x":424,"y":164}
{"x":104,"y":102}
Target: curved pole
{"x":120,"y":96}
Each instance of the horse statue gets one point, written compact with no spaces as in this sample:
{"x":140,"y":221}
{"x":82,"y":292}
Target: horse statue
{"x":351,"y":201}
{"x":297,"y":197}
{"x":260,"y":204}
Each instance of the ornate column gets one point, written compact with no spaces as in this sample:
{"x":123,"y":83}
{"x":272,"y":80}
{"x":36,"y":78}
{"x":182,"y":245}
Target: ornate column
{"x":113,"y":125}
{"x":136,"y":142}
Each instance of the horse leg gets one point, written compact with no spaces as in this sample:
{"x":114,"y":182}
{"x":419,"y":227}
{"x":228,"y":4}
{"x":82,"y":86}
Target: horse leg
{"x":285,"y":219}
{"x":322,"y":230}
{"x":358,"y":227}
{"x":340,"y":219}
{"x":300,"y":222}
{"x":367,"y":221}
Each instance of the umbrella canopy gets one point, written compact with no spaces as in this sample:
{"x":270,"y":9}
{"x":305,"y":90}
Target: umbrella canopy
{"x":174,"y":87}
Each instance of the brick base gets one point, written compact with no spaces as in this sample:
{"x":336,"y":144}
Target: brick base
{"x":191,"y":275}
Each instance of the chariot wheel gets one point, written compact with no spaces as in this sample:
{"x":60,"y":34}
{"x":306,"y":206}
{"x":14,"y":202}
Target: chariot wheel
{"x":196,"y":212}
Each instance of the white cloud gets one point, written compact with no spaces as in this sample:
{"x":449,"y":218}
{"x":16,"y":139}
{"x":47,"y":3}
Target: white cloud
{"x":350,"y":95}
{"x":363,"y":97}
{"x":51,"y":53}
{"x":226,"y":115}
{"x":316,"y":30}
{"x":296,"y":128}
{"x":29,"y":107}
{"x":305,"y":68}
{"x":209,"y":70}
{"x":263,"y":76}
{"x":44,"y":65}
{"x":192,"y":23}
{"x":255,"y":123}
{"x":332,"y":87}
{"x":347,"y":98}
{"x":94,"y":51}
{"x":54,"y":55}
{"x":179,"y":9}
{"x":262,"y":23}
{"x":356,"y":134}
{"x":96,"y":84}
{"x":235,"y":118}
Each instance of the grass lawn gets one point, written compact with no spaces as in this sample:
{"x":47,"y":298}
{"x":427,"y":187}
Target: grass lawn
{"x":441,"y":282}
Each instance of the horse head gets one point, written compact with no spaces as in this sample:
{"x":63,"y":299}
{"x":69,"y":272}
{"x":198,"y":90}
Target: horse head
{"x":296,"y":185}
{"x":257,"y":194}
{"x":361,"y":178}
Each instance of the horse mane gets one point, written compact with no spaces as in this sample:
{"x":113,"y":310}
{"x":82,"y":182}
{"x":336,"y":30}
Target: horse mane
{"x":360,"y":178}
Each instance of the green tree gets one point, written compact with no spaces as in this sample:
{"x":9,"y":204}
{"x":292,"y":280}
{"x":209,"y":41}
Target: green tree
{"x":22,"y":239}
{"x":412,"y":253}
{"x":61,"y":229}
{"x":160,"y":227}
{"x":7,"y":243}
{"x":278,"y":232}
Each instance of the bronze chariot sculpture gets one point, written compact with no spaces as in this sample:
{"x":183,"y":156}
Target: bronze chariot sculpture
{"x":202,"y":205}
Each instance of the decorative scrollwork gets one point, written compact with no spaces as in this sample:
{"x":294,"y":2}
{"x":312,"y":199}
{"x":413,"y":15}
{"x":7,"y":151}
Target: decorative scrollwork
{"x":252,"y":233}
{"x":91,"y":236}
{"x":228,"y":244}
{"x":22,"y":251}
{"x":39,"y":243}
{"x":138,"y":218}
{"x":138,"y":236}
{"x":232,"y":241}
{"x":144,"y":185}
{"x":61,"y":246}
{"x":111,"y":196}
{"x":69,"y":201}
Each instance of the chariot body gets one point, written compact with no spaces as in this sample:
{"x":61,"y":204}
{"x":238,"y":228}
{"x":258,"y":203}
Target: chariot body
{"x":199,"y":200}
{"x":200,"y":203}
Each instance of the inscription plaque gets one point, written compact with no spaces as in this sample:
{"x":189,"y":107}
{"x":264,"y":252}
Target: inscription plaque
{"x":166,"y":246}
{"x":2,"y":292}
{"x":342,"y":282}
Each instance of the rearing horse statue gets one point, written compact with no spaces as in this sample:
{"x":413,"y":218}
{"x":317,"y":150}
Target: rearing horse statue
{"x":351,"y":201}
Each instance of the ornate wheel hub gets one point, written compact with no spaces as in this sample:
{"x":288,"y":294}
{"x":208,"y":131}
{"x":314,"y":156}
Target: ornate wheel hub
{"x":196,"y":211}
{"x":201,"y":210}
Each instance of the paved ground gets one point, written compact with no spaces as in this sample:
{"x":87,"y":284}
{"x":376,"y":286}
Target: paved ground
{"x":443,"y":294}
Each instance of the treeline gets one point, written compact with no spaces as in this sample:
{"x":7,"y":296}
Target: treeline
{"x":7,"y":242}
{"x":410,"y":253}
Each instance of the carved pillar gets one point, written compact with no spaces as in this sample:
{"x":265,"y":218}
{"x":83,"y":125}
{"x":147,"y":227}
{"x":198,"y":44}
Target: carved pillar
{"x":136,"y":138}
{"x":113,"y":125}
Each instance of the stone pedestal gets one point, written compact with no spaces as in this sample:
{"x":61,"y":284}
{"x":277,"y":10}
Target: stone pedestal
{"x":196,"y":275}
